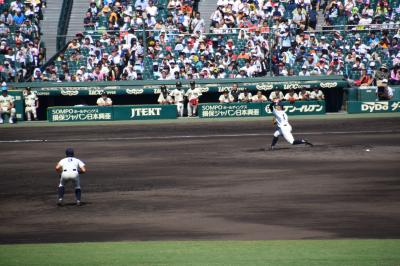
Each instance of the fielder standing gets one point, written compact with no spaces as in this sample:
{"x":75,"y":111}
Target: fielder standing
{"x":179,"y":97}
{"x":69,"y":169}
{"x":31,"y":104}
{"x":283,"y":127}
{"x":193,"y":95}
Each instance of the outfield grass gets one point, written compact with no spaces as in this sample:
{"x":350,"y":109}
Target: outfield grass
{"x":280,"y":252}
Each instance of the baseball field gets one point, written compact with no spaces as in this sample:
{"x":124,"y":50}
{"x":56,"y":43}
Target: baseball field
{"x":204,"y":192}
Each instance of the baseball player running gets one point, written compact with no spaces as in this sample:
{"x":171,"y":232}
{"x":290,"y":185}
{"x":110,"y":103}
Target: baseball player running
{"x":283,"y":127}
{"x":69,"y":169}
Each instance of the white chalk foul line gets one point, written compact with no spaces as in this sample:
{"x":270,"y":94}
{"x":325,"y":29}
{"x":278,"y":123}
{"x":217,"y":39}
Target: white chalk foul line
{"x":197,"y":136}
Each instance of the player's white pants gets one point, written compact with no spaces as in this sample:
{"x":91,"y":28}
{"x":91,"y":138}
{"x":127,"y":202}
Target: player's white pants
{"x":192,"y":109}
{"x":68,"y":176}
{"x":179,"y":108}
{"x":286,"y":132}
{"x":4,"y":110}
{"x":30,"y":110}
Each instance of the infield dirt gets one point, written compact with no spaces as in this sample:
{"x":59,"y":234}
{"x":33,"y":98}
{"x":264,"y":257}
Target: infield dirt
{"x":204,"y":181}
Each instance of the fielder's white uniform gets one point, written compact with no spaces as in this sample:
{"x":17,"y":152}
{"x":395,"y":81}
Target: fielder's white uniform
{"x":317,"y":95}
{"x":192,"y":94}
{"x":178,"y":99}
{"x":104,"y":101}
{"x":226,"y":99}
{"x":30,"y":105}
{"x":283,"y":126}
{"x":5,"y":103}
{"x":164,"y":99}
{"x":70,"y":171}
{"x":245,"y":98}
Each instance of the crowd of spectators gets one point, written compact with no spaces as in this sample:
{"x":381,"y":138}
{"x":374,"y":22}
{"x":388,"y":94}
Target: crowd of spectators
{"x":149,"y":39}
{"x":21,"y":50}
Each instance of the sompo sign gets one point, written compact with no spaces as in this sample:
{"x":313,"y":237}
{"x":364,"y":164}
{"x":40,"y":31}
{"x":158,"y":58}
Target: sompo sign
{"x":121,"y":112}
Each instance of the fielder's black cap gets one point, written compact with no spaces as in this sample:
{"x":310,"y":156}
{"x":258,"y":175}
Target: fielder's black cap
{"x":69,"y":152}
{"x":163,"y":87}
{"x":179,"y":84}
{"x":192,"y":83}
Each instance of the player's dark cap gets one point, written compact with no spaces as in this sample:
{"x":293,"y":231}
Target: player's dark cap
{"x":163,"y":87}
{"x":28,"y":88}
{"x":179,"y":84}
{"x":279,"y":104}
{"x":69,"y":152}
{"x":226,"y":91}
{"x":192,"y":83}
{"x":104,"y":93}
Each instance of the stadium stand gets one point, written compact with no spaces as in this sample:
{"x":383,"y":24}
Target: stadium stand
{"x":21,"y":49}
{"x":160,"y":40}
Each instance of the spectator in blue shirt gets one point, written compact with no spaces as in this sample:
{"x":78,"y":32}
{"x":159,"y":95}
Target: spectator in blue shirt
{"x":19,"y":18}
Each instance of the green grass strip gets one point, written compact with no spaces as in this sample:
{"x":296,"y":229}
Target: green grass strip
{"x":279,"y":252}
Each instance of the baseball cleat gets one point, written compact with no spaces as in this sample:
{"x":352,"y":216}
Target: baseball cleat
{"x":60,"y":202}
{"x":272,"y":148}
{"x":11,"y":121}
{"x":308,"y":143}
{"x":78,"y":203}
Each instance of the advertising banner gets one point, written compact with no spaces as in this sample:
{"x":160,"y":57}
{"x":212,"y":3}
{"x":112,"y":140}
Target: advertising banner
{"x":78,"y":113}
{"x":373,"y":107}
{"x":144,"y":112}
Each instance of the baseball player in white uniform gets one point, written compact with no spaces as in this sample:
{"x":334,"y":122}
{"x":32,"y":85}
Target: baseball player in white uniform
{"x":69,"y":169}
{"x":226,"y":97}
{"x":245,"y":96}
{"x":193,"y":95}
{"x":179,"y":97}
{"x":104,"y":100}
{"x":283,"y":127}
{"x":31,"y":104}
{"x":6,"y":105}
{"x":317,"y":94}
{"x":164,"y":97}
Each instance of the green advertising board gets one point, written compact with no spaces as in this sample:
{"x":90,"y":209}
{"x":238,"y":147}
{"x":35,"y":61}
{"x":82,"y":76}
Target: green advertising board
{"x":368,"y":93}
{"x":218,"y":110}
{"x":79,"y":113}
{"x":144,"y":112}
{"x":298,"y":108}
{"x":121,"y":112}
{"x":356,"y":107}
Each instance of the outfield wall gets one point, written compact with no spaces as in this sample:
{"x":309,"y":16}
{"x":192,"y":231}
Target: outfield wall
{"x":146,"y":112}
